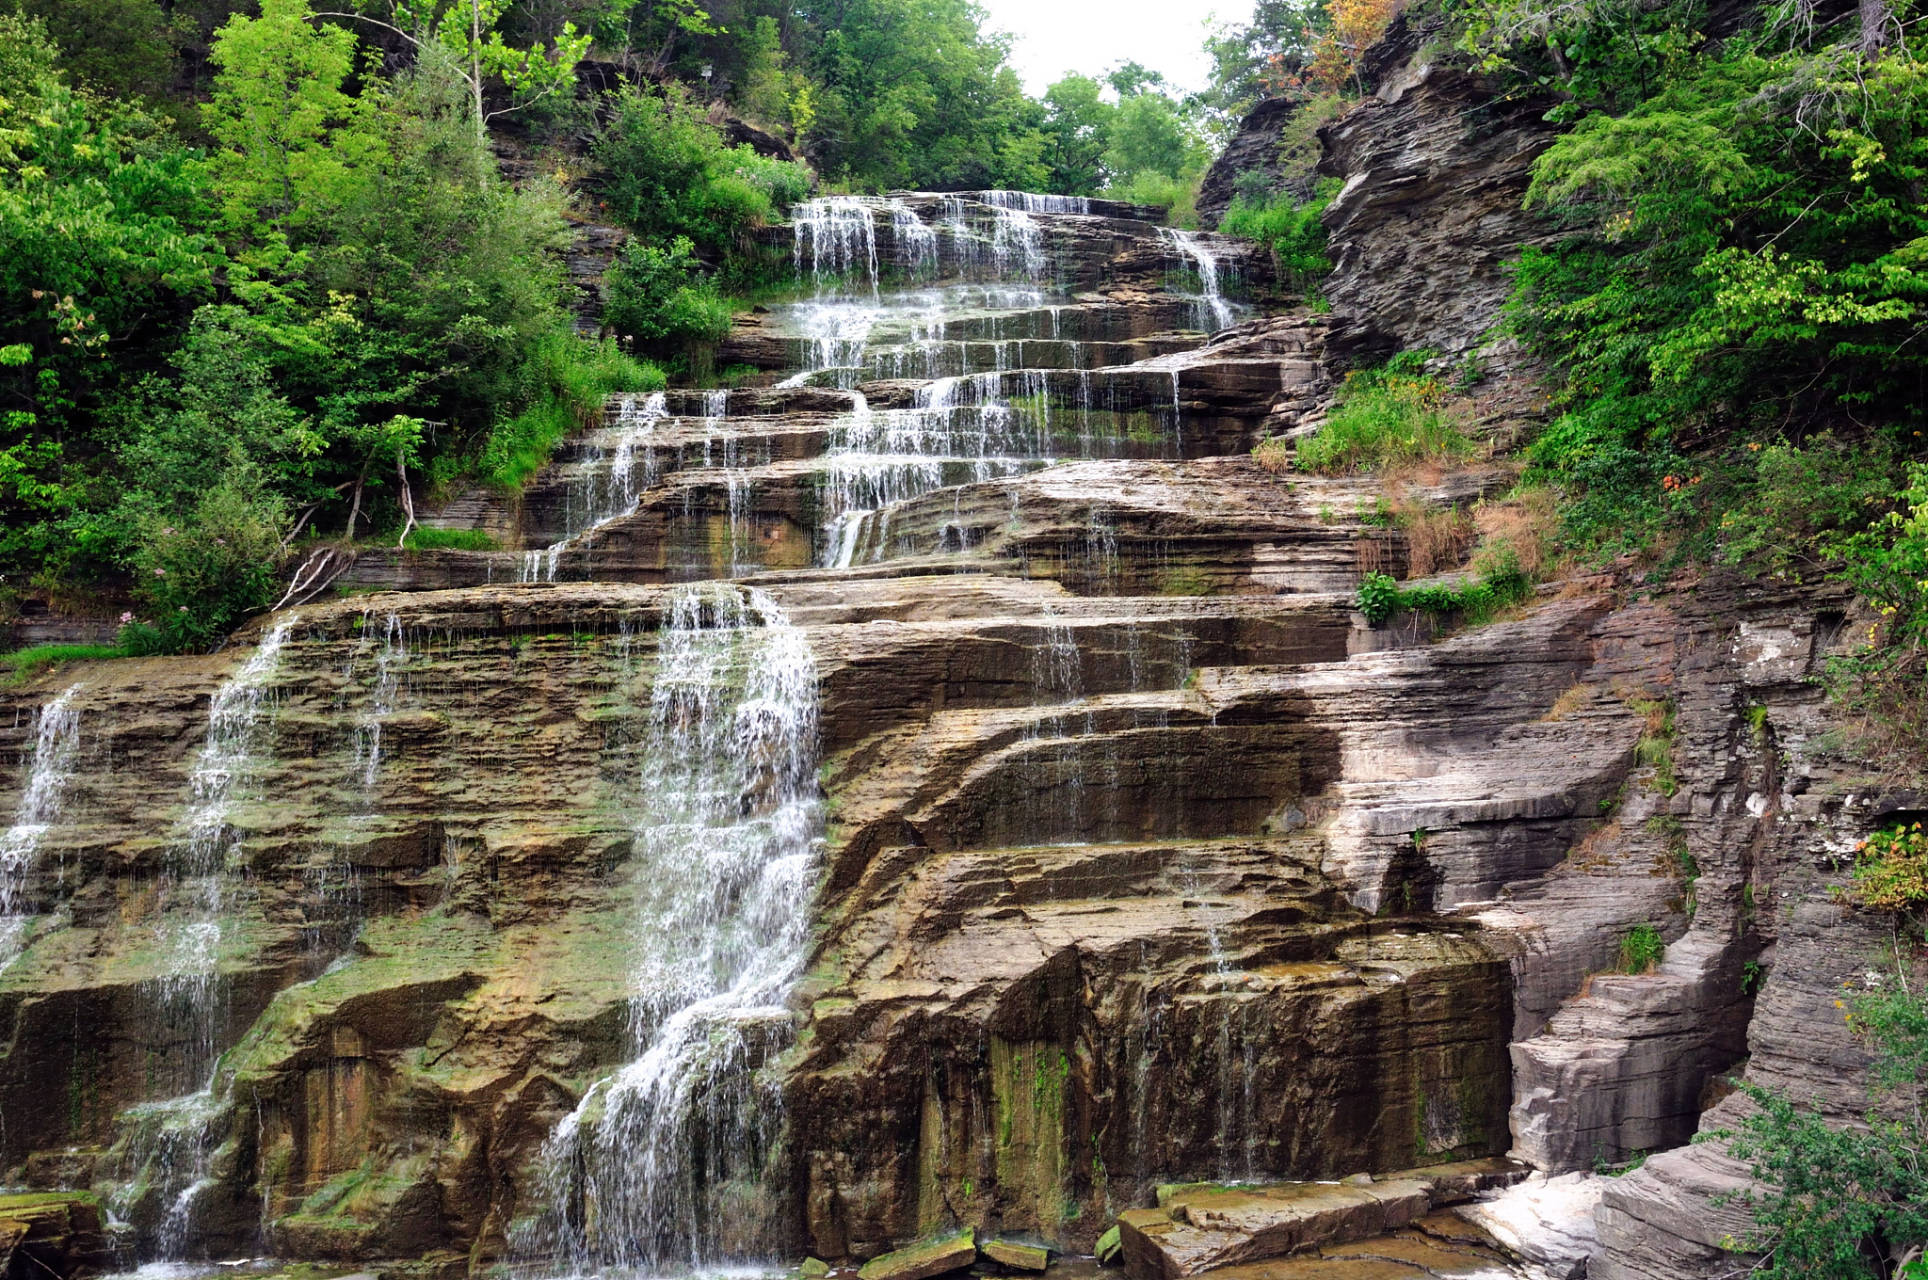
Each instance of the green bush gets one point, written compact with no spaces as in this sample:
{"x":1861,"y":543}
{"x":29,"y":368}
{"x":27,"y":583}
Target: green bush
{"x":200,"y":571}
{"x":1891,"y":869}
{"x":1641,"y":949}
{"x":656,"y":295}
{"x":1846,"y":1202}
{"x":1475,"y":601}
{"x":567,"y":381}
{"x":1293,"y":230}
{"x":670,"y":173}
{"x":1385,"y":418}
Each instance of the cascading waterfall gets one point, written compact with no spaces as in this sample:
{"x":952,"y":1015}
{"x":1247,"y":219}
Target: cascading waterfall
{"x":837,"y":236}
{"x":1035,"y":202}
{"x":56,"y":746}
{"x":167,"y":1146}
{"x":606,"y":492}
{"x":664,"y":1162}
{"x":1214,"y":309}
{"x":193,"y":877}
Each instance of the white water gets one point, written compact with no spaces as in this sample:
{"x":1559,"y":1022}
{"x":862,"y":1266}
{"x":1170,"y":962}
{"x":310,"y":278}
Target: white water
{"x":1033,"y":202}
{"x":391,"y":652}
{"x":56,"y":746}
{"x":664,"y":1162}
{"x":1215,"y":310}
{"x":837,"y":236}
{"x":610,"y":486}
{"x":194,"y":875}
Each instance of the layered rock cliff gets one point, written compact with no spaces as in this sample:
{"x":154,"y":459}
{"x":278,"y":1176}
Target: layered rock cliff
{"x":1125,"y":852}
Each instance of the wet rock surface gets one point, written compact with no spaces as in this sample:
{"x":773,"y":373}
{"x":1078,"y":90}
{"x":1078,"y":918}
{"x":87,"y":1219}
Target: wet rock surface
{"x":1141,"y":859}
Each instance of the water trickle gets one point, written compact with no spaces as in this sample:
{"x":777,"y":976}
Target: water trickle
{"x":56,"y":746}
{"x":664,"y":1162}
{"x":193,"y":876}
{"x":916,"y":241}
{"x":1214,"y":310}
{"x":390,"y":654}
{"x":1035,"y":202}
{"x":1017,"y":245}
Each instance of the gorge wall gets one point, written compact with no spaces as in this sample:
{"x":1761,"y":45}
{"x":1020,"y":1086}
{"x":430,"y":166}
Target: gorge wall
{"x":945,"y":784}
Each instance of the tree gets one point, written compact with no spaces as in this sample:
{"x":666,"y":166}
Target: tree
{"x":282,"y":153}
{"x":1077,"y":130}
{"x":1149,"y":135}
{"x":469,"y":32}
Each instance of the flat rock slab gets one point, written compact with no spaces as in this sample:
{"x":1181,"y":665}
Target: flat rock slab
{"x":1019,"y":1257}
{"x":1202,"y":1228}
{"x":922,"y":1261}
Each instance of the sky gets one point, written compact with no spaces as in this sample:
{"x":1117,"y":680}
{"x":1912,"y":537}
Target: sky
{"x":1091,"y":36}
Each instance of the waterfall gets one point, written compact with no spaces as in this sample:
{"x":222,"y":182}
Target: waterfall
{"x":166,"y":1147}
{"x":837,"y":236}
{"x":1213,"y":308}
{"x":56,"y":745}
{"x":916,"y":241}
{"x":1033,"y":202}
{"x":1017,"y":245}
{"x":606,"y":492}
{"x":665,"y":1161}
{"x":389,"y":656}
{"x":193,"y":877}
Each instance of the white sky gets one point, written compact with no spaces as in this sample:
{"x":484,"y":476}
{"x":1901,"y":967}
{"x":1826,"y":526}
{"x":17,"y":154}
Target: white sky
{"x":1091,"y":36}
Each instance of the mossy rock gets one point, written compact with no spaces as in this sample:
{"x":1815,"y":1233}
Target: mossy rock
{"x":922,"y":1261}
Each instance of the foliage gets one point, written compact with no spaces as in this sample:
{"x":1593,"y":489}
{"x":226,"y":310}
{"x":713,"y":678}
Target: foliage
{"x":656,"y":295}
{"x":1641,"y":949}
{"x":1845,"y":1202}
{"x":1475,"y":601}
{"x":1264,"y":57}
{"x":101,"y":254}
{"x":1379,"y":597}
{"x":1382,"y":418}
{"x":669,"y":173}
{"x":1891,"y":869}
{"x":1351,"y":27}
{"x":1655,"y":748}
{"x":566,"y":383}
{"x":423,"y":538}
{"x":1292,"y":228}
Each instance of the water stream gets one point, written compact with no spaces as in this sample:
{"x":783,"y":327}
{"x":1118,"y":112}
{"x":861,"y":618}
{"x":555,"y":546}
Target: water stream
{"x":663,"y":1163}
{"x":56,"y":745}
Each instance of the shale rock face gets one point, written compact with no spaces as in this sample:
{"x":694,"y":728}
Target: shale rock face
{"x":1435,"y":166}
{"x":1251,"y":161}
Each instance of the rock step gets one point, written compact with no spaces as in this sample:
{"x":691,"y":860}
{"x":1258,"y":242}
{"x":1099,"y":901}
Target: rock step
{"x":1201,"y":1228}
{"x":54,"y":1236}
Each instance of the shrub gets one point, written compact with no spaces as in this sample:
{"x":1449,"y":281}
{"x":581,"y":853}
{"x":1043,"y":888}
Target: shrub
{"x":567,"y":381}
{"x":656,"y":295}
{"x":1385,"y":418}
{"x":1641,"y":949}
{"x":1293,"y":230}
{"x":201,"y":571}
{"x":1891,"y":869}
{"x":1851,"y":1201}
{"x":1655,"y":748}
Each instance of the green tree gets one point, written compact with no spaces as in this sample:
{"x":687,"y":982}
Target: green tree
{"x":1150,"y":135}
{"x":100,"y":257}
{"x":287,"y":141}
{"x":1077,"y":131}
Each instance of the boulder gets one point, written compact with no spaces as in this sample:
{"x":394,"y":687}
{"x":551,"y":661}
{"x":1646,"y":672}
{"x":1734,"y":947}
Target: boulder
{"x":922,"y":1261}
{"x":1199,"y":1229}
{"x":52,"y":1235}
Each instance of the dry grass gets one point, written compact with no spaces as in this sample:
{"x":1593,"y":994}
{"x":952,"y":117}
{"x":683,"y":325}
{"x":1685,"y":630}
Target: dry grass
{"x":1437,"y":538}
{"x":1273,"y":454}
{"x":1521,"y":525}
{"x":1569,"y":702}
